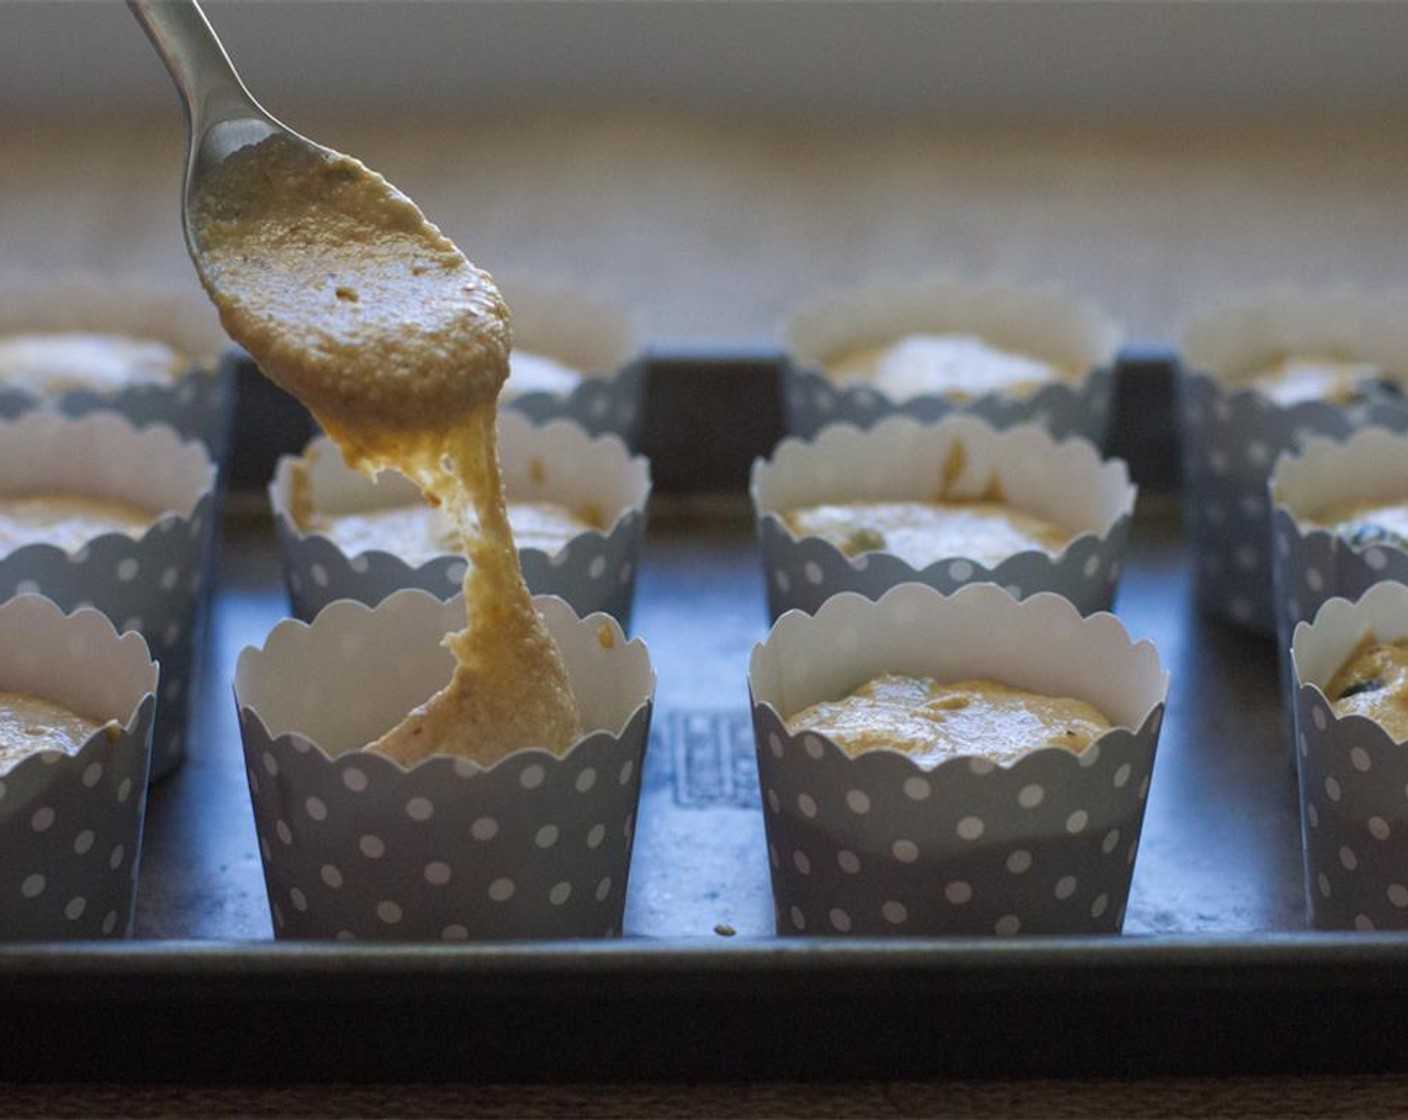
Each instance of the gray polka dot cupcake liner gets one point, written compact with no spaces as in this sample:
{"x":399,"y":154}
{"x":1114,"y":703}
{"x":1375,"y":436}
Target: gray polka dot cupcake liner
{"x":356,"y":846}
{"x":71,"y":826}
{"x":877,"y":845}
{"x":585,"y":332}
{"x":901,"y":459}
{"x":1232,"y":436}
{"x":559,"y":462}
{"x":198,"y":405}
{"x":606,"y":404}
{"x":1310,"y":564}
{"x":1038,"y":321}
{"x":812,"y":400}
{"x":1353,"y":777}
{"x":155,"y":584}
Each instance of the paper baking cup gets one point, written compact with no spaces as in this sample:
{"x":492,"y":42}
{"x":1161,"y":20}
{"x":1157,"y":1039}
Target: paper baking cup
{"x":1037,"y":321}
{"x":585,"y":332}
{"x":198,"y":405}
{"x":1232,"y":434}
{"x":1353,"y":777}
{"x":877,"y":844}
{"x":902,"y":459}
{"x":594,"y":571}
{"x":1311,"y":564}
{"x":154,"y":585}
{"x":356,"y":846}
{"x":71,"y":826}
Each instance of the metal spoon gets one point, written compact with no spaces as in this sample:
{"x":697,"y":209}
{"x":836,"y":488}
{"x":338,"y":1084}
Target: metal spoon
{"x":221,"y":116}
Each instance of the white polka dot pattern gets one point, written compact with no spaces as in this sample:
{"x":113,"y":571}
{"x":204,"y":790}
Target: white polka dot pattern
{"x":807,"y":572}
{"x":198,"y":406}
{"x":601,"y":405}
{"x":557,"y":461}
{"x":1354,"y":800}
{"x":67,"y":835}
{"x":1227,"y":458}
{"x":567,"y":573}
{"x":1310,"y":566}
{"x":171,"y":619}
{"x":1036,"y":848}
{"x":531,"y":847}
{"x":811,"y":401}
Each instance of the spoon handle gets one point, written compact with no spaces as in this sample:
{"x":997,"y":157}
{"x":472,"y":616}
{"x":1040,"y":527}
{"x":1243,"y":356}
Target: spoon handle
{"x":210,"y":89}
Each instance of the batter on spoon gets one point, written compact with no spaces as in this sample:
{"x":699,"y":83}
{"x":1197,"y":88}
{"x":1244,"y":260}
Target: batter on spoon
{"x":347,"y":297}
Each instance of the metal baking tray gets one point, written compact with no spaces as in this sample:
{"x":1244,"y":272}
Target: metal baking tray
{"x":1215,"y":971}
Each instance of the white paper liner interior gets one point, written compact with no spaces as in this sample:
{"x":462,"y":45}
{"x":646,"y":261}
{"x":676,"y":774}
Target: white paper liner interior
{"x":1041,"y":322}
{"x":355,"y":672}
{"x":77,"y":660}
{"x":585,"y":331}
{"x":902,"y":459}
{"x":179,"y":315}
{"x":1371,"y":466}
{"x":1235,"y":341}
{"x":103,"y":455}
{"x":558,"y":462}
{"x":1320,"y":647}
{"x":1041,"y":644}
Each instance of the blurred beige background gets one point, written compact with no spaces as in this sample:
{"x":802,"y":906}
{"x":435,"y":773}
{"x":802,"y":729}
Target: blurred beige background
{"x":710,"y":164}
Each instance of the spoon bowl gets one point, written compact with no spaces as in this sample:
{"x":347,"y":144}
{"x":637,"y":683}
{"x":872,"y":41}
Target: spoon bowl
{"x":222,"y":117}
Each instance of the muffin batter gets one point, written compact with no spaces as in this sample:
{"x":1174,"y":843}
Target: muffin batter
{"x":29,"y":724}
{"x":921,"y":533}
{"x":1373,"y":682}
{"x":67,"y":521}
{"x":934,"y":722}
{"x":347,"y":297}
{"x":55,"y":363}
{"x":1322,"y":377}
{"x":420,"y":533}
{"x":1363,"y":524}
{"x":958,"y":366}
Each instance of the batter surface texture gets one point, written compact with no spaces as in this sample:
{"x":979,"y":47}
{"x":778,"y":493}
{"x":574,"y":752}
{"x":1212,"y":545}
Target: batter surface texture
{"x":29,"y":724}
{"x":933,"y":722}
{"x":1373,"y":682}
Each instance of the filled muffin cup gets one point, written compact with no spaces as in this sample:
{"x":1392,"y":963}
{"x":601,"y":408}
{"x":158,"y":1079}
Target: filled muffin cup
{"x":586,"y":333}
{"x":903,"y":459}
{"x":875,"y":844}
{"x":71,"y":825}
{"x":1352,"y":774}
{"x":356,"y":846}
{"x":558,"y":462}
{"x":197,"y":403}
{"x":1311,"y":563}
{"x":154,"y":584}
{"x":1232,"y":433}
{"x":1040,"y":322}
